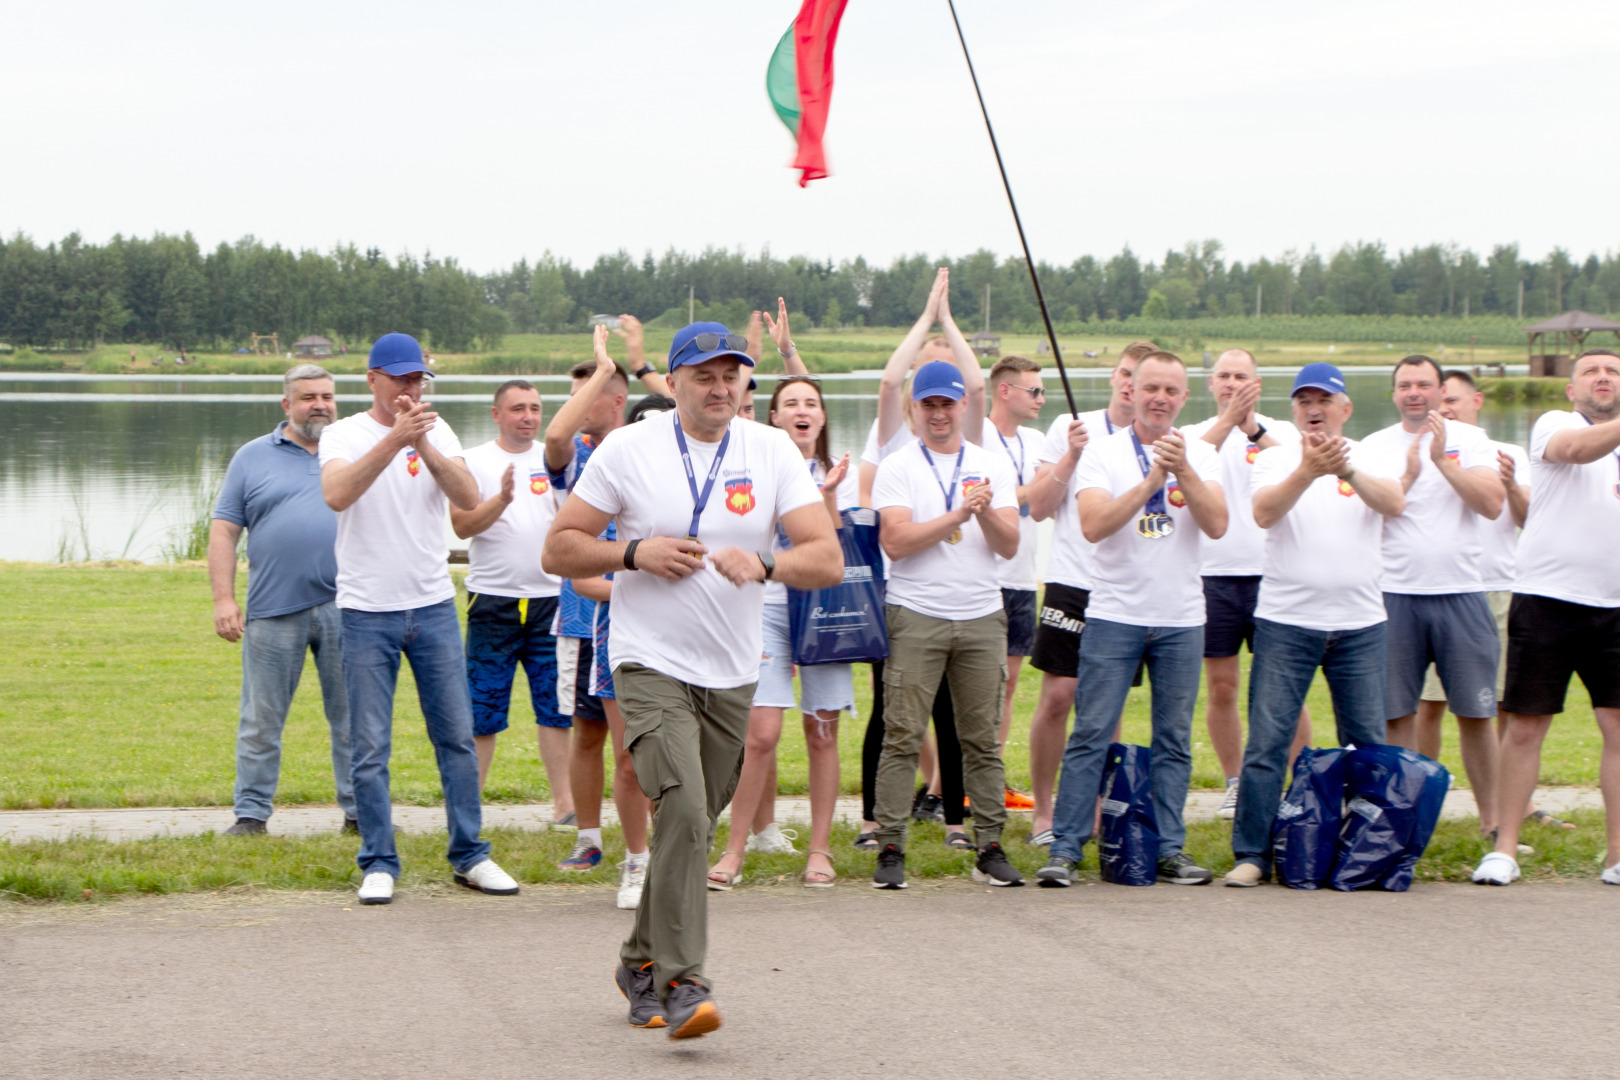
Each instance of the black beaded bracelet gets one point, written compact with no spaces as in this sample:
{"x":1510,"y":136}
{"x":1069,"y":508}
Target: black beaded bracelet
{"x":630,"y":554}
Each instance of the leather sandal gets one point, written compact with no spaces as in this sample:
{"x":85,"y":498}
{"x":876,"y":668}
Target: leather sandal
{"x":720,"y":881}
{"x":819,"y":879}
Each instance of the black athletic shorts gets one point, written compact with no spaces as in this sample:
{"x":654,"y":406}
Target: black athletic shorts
{"x":1229,"y":614}
{"x":1550,"y":640}
{"x":1058,"y":625}
{"x":1019,"y":604}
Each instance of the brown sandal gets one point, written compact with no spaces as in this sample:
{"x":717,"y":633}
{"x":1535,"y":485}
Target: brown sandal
{"x":819,"y":879}
{"x":720,"y":881}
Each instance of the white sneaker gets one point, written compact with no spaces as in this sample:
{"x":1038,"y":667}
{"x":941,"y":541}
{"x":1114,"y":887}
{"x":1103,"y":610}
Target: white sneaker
{"x":632,"y":877}
{"x":486,"y":877}
{"x":773,"y":841}
{"x":1496,"y":869}
{"x":1611,"y":876}
{"x":377,"y":888}
{"x":1228,"y":809}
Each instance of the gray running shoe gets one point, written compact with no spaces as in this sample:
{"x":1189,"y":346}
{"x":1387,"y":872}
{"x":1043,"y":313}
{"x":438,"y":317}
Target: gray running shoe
{"x":636,"y":984}
{"x":569,"y":822}
{"x":1228,"y":809}
{"x":690,"y":1010}
{"x":1059,"y":872}
{"x":246,"y":826}
{"x":1178,"y":869}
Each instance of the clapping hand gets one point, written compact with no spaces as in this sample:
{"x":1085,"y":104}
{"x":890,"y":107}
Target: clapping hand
{"x":835,"y":475}
{"x":1239,"y":408}
{"x":1170,"y":454}
{"x":1322,"y":455}
{"x":1437,"y":441}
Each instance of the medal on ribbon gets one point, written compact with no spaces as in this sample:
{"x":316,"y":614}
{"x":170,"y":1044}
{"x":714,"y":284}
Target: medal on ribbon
{"x":948,"y":490}
{"x":1155,"y":523}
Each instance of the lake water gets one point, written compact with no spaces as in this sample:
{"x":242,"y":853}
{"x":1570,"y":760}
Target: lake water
{"x":115,"y":466}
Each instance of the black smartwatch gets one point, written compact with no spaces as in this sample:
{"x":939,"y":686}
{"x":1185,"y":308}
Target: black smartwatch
{"x":1259,"y":433}
{"x":646,"y":370}
{"x":768,"y":561}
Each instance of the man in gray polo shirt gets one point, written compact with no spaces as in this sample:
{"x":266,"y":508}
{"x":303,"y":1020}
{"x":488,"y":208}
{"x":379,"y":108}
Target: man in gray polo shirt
{"x":273,"y":489}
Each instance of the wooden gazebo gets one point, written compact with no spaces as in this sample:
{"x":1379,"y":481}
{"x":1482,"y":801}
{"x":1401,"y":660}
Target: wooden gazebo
{"x":986,"y":344}
{"x":312,"y":347}
{"x":1554,"y":344}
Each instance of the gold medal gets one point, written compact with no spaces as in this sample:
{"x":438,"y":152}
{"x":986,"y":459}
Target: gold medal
{"x":955,"y":537}
{"x":1155,"y":526}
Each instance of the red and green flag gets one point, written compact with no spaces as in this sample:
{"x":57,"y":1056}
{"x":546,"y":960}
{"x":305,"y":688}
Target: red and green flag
{"x":800,"y":82}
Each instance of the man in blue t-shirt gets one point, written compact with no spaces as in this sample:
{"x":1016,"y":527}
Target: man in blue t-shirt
{"x":273,"y":489}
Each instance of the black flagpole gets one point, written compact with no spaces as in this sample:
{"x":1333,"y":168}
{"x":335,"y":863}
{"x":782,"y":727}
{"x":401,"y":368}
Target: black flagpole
{"x":1029,"y":261}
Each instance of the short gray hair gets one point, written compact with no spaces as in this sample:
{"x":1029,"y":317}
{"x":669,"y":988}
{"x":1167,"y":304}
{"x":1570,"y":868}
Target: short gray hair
{"x":301,"y":372}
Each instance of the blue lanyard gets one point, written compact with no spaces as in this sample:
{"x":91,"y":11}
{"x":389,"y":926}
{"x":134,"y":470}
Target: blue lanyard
{"x":1155,"y":503}
{"x":699,"y":500}
{"x":948,"y":492}
{"x":1019,"y":461}
{"x":1109,"y":421}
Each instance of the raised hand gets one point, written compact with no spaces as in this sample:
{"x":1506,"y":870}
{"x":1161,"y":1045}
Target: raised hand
{"x":1239,"y":408}
{"x":630,"y":329}
{"x":1323,"y":456}
{"x":937,"y":298}
{"x":942,"y":282}
{"x":1437,"y":442}
{"x":835,"y":475}
{"x":779,"y":327}
{"x":604,"y":362}
{"x":1170,"y":454}
{"x":670,"y":558}
{"x":412,"y":420}
{"x":508,"y":483}
{"x":1414,"y":463}
{"x":756,"y":334}
{"x":1509,"y":470}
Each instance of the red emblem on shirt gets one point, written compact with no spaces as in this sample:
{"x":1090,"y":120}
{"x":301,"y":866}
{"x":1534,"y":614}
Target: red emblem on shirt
{"x":1454,"y":454}
{"x":740,"y":495}
{"x":1175,"y":496}
{"x":538,"y":482}
{"x":1345,"y":488}
{"x":412,"y":461}
{"x":1251,"y":453}
{"x":971,"y":482}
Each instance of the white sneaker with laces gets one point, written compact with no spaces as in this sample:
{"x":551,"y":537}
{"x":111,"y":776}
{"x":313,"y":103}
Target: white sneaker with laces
{"x":486,"y":877}
{"x":1611,"y":876}
{"x":1496,"y":869}
{"x":377,"y":888}
{"x":632,"y":878}
{"x":773,"y":841}
{"x":1228,"y":809}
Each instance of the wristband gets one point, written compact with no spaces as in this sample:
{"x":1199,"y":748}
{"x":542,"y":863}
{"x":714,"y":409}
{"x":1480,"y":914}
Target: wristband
{"x":1347,"y":477}
{"x":630,"y":554}
{"x":768,"y":561}
{"x":1259,"y":433}
{"x":646,"y":370}
{"x":791,"y":349}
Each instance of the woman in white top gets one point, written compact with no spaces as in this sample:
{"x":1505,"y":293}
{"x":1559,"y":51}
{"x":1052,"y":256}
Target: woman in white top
{"x":825,"y":689}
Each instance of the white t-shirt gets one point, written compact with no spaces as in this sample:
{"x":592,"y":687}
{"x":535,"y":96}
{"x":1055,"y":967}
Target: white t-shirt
{"x":504,"y":559}
{"x":1072,"y":558}
{"x":873,"y":454}
{"x":1323,"y":559}
{"x":391,"y":550}
{"x":1141,"y":581}
{"x":1239,"y":552}
{"x":947,"y":581}
{"x":1434,"y":548}
{"x":702,"y":630}
{"x":848,"y":496}
{"x":1499,"y":539}
{"x":1567,"y":549}
{"x":1023,"y":453}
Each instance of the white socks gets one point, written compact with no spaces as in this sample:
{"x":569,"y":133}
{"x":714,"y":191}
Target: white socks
{"x":592,"y":836}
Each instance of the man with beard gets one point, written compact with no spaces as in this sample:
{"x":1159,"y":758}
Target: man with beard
{"x":273,"y":489}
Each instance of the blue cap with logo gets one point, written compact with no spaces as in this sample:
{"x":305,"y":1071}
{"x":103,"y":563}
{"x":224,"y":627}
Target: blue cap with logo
{"x":397,"y":354}
{"x":938,"y":379}
{"x":704,"y":341}
{"x":1318,"y":377}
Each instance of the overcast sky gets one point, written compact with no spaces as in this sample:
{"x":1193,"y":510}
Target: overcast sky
{"x":493,"y":131}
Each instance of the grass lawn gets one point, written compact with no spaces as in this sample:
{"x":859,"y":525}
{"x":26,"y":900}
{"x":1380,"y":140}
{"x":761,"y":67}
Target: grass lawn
{"x":114,"y":691}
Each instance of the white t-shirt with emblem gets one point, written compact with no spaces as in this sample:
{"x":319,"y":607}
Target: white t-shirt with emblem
{"x":1567,"y":549}
{"x":1071,"y":560}
{"x":1499,"y":539}
{"x":504,"y":559}
{"x":701,"y":630}
{"x":873,"y":454}
{"x":1023,"y":453}
{"x":1434,"y":548}
{"x":946,"y":581}
{"x":391,"y":549}
{"x":1142,"y":581}
{"x":1323,"y":560}
{"x":1240,"y":551}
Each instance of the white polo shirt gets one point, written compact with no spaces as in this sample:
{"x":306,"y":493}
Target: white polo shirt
{"x":1567,"y":549}
{"x":1142,"y":581}
{"x":1240,"y":552}
{"x":504,"y":559}
{"x":1023,"y":451}
{"x":701,"y":630}
{"x":946,"y":581}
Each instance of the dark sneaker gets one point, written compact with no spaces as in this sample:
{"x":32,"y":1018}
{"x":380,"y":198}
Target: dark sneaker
{"x":690,"y":1010}
{"x":586,"y":856}
{"x":992,"y":867}
{"x":867,"y":841}
{"x":929,"y":808}
{"x":351,"y":826}
{"x":246,"y":826}
{"x":1178,"y":869}
{"x":636,"y":984}
{"x":891,"y":868}
{"x":1059,"y":872}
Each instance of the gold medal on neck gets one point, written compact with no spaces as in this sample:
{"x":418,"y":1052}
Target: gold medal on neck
{"x":955,"y":537}
{"x":1155,"y":526}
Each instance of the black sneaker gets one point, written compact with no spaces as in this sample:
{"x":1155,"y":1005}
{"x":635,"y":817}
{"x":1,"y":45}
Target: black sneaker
{"x":1059,"y":872}
{"x":351,"y":826}
{"x":929,"y":808}
{"x":992,"y":867}
{"x":690,"y":1011}
{"x":1178,"y":869}
{"x":891,"y":868}
{"x":636,"y":984}
{"x":246,"y":826}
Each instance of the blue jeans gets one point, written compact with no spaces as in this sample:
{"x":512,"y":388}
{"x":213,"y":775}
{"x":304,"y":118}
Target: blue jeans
{"x":1109,"y":655}
{"x":272,"y":663}
{"x":431,"y":639}
{"x":1285,"y":662}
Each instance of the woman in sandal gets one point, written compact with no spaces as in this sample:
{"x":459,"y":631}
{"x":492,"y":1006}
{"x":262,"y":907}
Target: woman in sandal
{"x":825,"y":689}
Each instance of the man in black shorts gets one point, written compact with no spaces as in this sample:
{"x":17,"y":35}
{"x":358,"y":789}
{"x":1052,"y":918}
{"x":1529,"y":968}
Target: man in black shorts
{"x":1565,"y":615}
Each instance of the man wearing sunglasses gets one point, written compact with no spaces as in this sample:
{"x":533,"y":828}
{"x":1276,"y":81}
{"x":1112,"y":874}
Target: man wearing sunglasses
{"x":388,"y":472}
{"x":697,"y":495}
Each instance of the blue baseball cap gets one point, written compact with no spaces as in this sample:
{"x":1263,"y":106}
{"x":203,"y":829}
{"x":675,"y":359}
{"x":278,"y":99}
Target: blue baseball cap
{"x":1318,"y":377}
{"x":690,"y":341}
{"x":397,"y":354}
{"x":938,"y":379}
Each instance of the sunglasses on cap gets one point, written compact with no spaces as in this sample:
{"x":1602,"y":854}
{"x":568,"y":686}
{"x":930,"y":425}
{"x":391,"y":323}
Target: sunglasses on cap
{"x":709,"y":342}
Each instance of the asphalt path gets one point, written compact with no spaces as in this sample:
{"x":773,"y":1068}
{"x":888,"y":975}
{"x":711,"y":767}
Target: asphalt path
{"x":946,"y":979}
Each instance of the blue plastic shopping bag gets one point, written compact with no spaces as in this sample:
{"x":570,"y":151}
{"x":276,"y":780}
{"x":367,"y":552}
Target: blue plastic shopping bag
{"x":1305,"y":838}
{"x":1393,"y":798}
{"x":1128,"y":847}
{"x":844,"y":624}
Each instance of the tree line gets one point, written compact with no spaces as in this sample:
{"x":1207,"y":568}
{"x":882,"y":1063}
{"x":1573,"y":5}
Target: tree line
{"x":166,"y":290}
